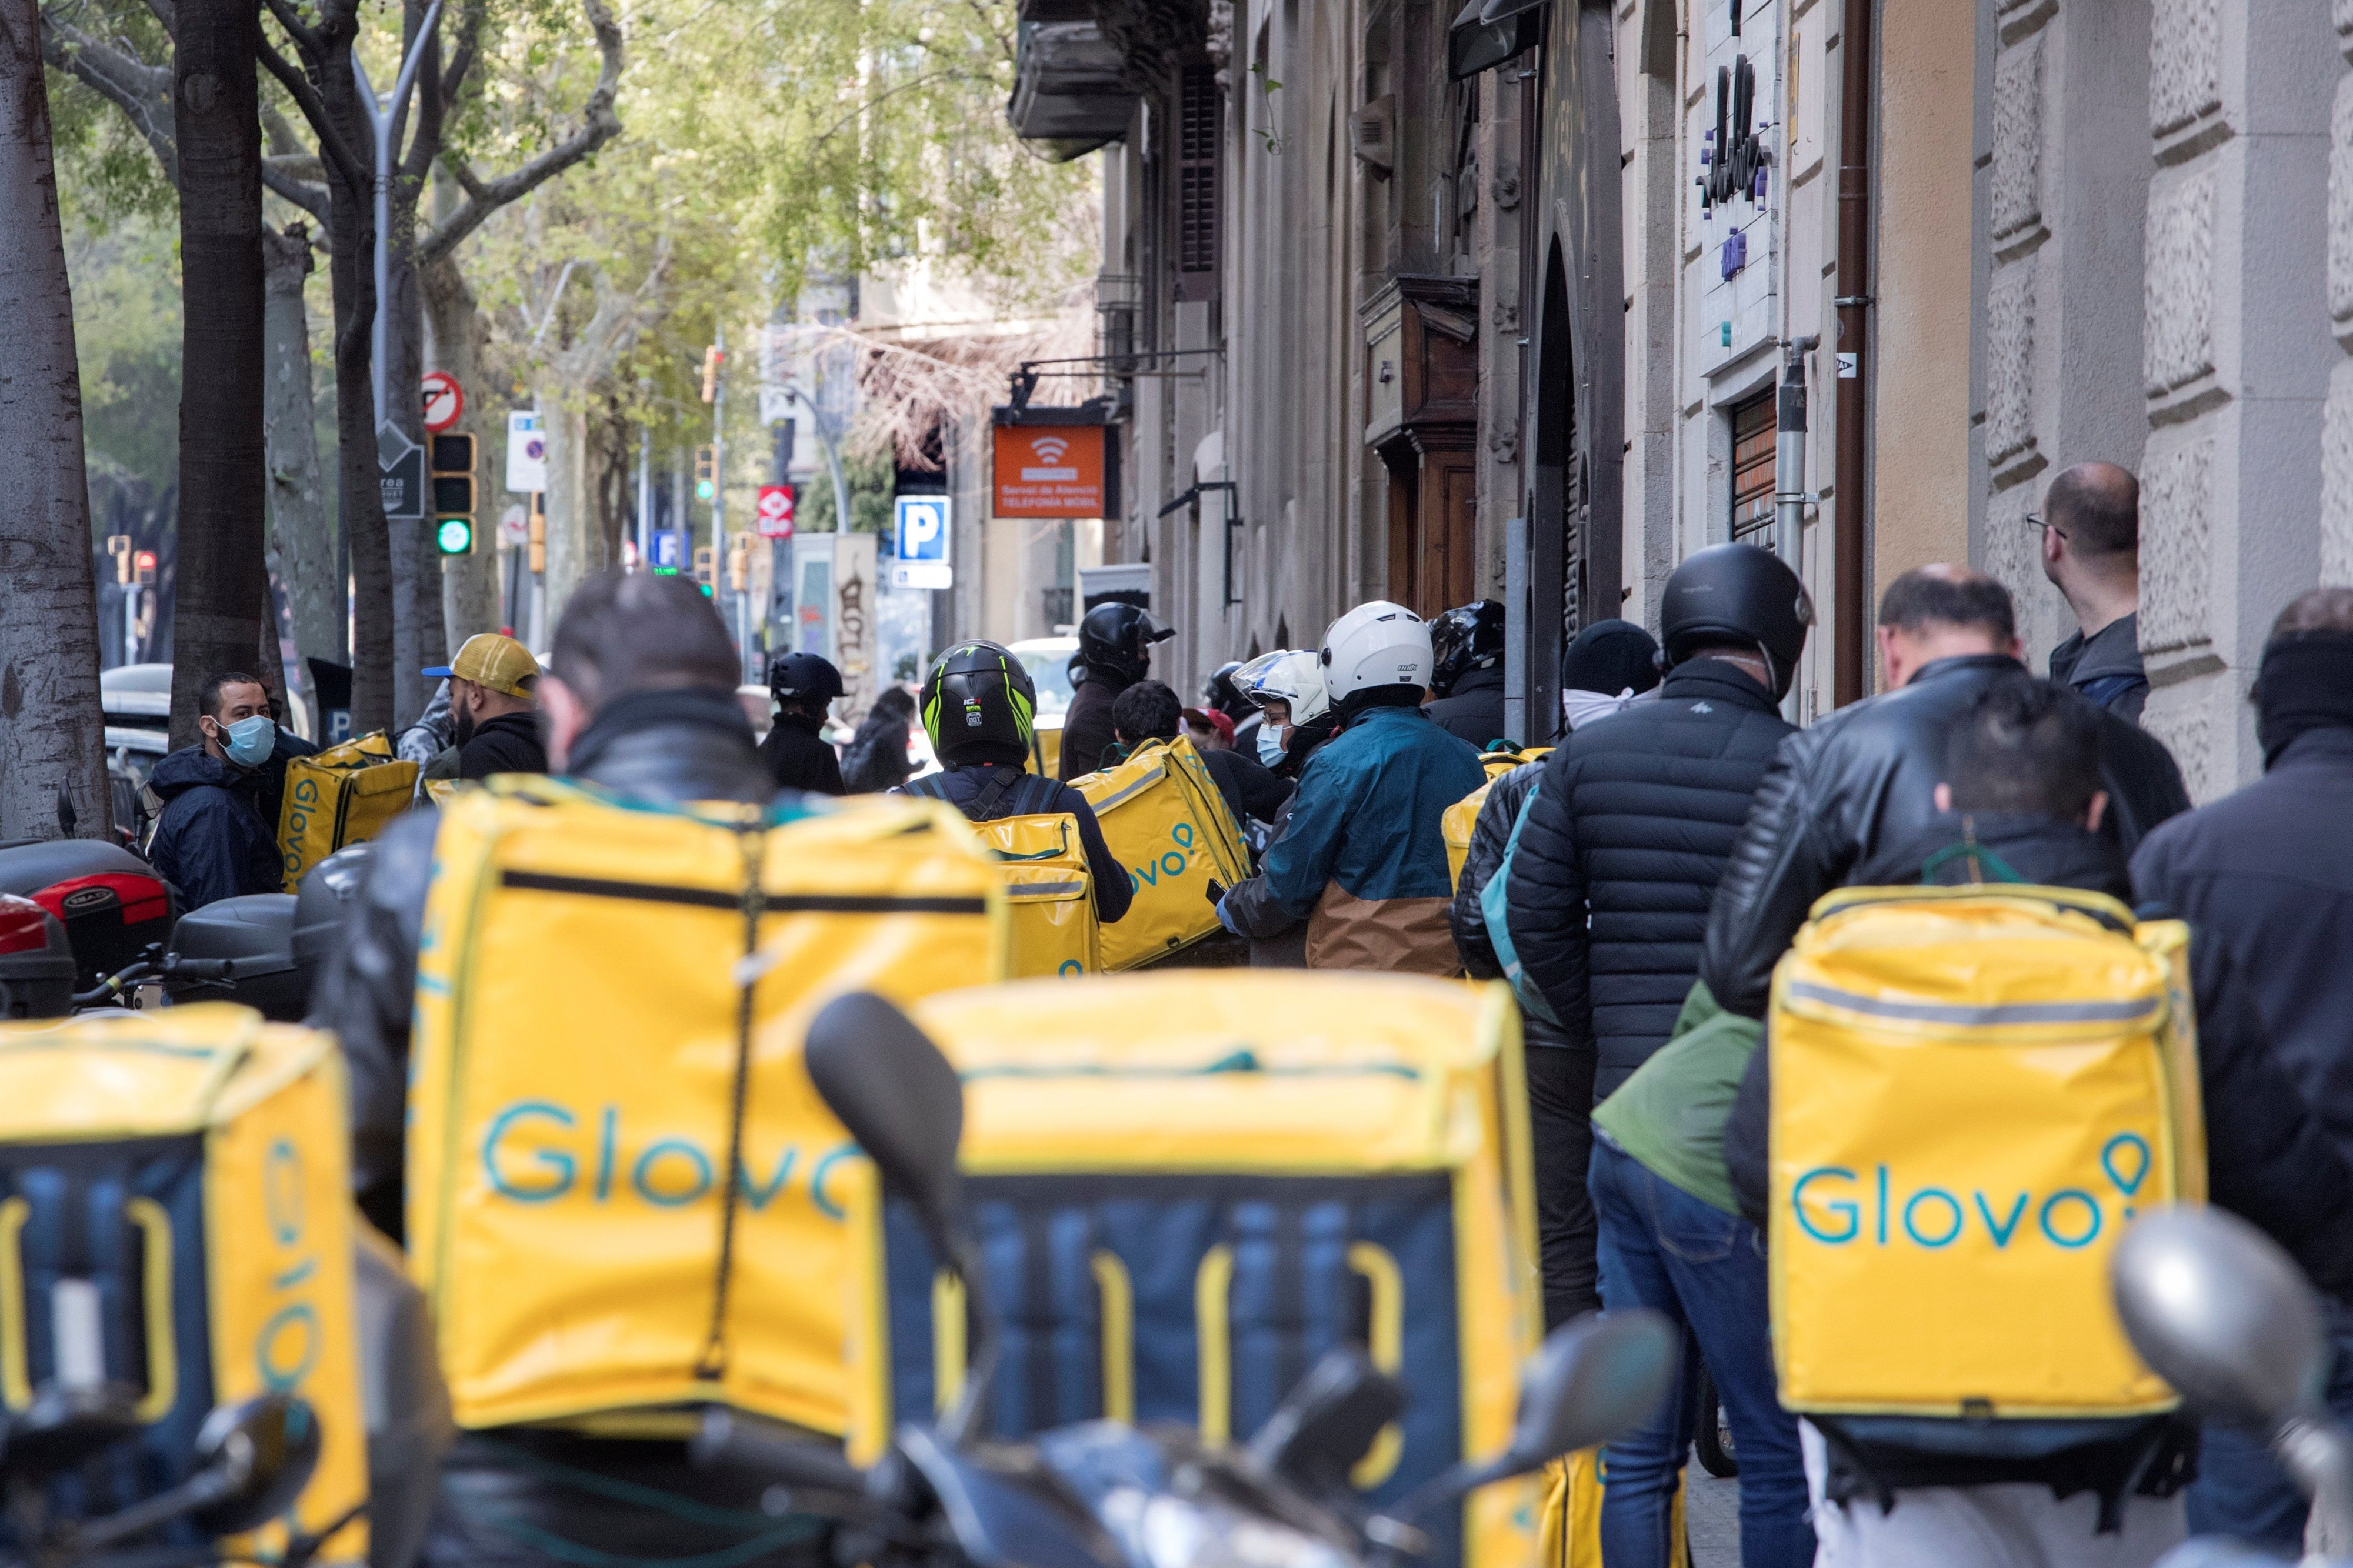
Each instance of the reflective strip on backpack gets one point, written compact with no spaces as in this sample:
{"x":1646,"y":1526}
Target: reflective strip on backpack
{"x":2147,"y":1010}
{"x":1044,"y":889}
{"x":1120,"y":797}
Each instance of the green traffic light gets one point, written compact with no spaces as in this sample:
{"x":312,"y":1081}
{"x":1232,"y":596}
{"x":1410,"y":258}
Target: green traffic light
{"x":706,"y":591}
{"x":703,"y":489}
{"x":455,"y":536}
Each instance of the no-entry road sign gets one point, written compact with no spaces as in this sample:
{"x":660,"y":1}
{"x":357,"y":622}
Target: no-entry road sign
{"x":776,"y":512}
{"x":444,"y":400}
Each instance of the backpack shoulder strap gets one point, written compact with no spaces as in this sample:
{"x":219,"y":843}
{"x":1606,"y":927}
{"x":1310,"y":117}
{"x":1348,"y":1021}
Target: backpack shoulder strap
{"x":1035,"y":796}
{"x":928,"y":786}
{"x":985,"y":806}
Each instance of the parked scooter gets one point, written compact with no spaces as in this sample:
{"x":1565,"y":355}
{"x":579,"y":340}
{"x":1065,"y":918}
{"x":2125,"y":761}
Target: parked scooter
{"x":2219,"y":1310}
{"x":1106,"y":1495}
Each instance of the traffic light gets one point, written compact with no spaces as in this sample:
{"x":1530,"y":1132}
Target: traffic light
{"x":706,"y":473}
{"x":711,"y":359}
{"x":739,"y":561}
{"x":119,"y":546}
{"x":453,"y":494}
{"x":538,"y":532}
{"x":706,"y":568}
{"x":143,"y":567}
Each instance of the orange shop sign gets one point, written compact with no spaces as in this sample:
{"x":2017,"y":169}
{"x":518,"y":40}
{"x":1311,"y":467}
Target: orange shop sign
{"x":1050,"y":470}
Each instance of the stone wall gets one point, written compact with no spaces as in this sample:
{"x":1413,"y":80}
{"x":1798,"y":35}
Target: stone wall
{"x":2237,"y":354}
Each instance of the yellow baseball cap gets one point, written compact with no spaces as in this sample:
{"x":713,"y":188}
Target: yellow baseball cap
{"x":489,"y":660}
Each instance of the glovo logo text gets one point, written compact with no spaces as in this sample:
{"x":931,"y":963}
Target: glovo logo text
{"x":1842,"y":1208}
{"x":302,"y":800}
{"x":1170,"y":862}
{"x":287,"y":1347}
{"x":537,"y":1151}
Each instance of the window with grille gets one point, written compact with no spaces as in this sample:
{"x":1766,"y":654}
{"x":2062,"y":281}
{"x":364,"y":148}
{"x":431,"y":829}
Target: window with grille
{"x":1753,"y":434}
{"x":1196,"y":170}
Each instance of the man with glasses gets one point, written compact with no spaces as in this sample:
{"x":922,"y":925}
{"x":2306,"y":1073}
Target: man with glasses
{"x":2091,"y":551}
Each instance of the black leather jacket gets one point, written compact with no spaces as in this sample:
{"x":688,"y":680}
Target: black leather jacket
{"x":662,"y":746}
{"x":1864,"y":779}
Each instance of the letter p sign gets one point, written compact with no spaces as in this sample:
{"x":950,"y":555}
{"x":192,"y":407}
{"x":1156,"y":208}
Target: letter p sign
{"x":922,"y":542}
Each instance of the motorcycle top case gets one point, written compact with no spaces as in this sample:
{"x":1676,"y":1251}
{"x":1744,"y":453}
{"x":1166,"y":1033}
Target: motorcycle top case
{"x":1185,"y":1195}
{"x":1166,"y":822}
{"x":1048,"y":894}
{"x":1462,"y":816}
{"x":611,"y":997}
{"x":1975,"y":1090}
{"x":175,"y":1215}
{"x":340,"y":797}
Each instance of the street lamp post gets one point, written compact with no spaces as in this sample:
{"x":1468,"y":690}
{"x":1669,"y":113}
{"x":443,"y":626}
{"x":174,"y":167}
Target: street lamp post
{"x":382,"y":117}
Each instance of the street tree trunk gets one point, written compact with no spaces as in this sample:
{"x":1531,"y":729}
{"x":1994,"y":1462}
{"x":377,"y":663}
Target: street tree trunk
{"x":301,"y":543}
{"x":51,"y":740}
{"x":218,"y":596}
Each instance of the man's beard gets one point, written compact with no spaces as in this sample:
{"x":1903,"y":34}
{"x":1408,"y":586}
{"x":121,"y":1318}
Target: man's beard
{"x":463,"y":724}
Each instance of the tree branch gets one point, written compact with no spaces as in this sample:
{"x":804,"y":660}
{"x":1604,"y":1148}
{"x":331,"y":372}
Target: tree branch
{"x":333,"y":149}
{"x":599,"y":124}
{"x":312,"y":199}
{"x":143,"y":92}
{"x":461,"y":57}
{"x":306,"y":38}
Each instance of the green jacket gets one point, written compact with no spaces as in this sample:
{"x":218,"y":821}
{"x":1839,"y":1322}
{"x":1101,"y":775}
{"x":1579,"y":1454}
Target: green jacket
{"x":1668,"y":1117}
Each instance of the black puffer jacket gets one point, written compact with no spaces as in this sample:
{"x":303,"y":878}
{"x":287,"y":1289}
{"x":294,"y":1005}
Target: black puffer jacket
{"x":1628,"y":836}
{"x":1864,"y":780}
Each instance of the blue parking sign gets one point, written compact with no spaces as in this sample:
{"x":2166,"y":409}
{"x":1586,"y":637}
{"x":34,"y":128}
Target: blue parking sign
{"x":924,"y":527}
{"x":923,"y":543}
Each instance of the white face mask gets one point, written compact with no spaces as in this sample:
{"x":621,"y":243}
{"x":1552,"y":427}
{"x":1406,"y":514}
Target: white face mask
{"x":1269,"y":744}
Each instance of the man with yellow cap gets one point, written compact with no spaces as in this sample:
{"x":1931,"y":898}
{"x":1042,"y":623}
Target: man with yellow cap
{"x":492,"y":710}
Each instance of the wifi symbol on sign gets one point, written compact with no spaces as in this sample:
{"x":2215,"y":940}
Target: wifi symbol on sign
{"x":1049,"y":448}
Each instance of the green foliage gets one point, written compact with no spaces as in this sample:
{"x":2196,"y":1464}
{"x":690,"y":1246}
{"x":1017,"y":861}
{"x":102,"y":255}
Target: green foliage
{"x":126,"y":284}
{"x":872,"y":482}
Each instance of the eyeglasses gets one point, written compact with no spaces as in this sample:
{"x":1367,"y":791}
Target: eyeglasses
{"x":2035,"y":521}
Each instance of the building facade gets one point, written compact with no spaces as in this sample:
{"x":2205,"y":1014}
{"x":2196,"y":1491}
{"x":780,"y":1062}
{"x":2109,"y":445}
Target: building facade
{"x":1439,"y":302}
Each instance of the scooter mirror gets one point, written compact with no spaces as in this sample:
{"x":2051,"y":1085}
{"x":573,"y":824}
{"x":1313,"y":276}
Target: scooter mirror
{"x":2220,"y":1312}
{"x":894,"y":1091}
{"x":1591,"y":1381}
{"x":254,"y":1459}
{"x":1328,"y":1422}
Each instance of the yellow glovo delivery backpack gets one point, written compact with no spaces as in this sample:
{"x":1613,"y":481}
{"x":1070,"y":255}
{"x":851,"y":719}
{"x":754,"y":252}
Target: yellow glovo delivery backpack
{"x":175,"y":1215}
{"x":610,"y":1005}
{"x":1188,"y":1194}
{"x":1461,"y":819}
{"x":1166,"y":822}
{"x":1049,"y":885}
{"x":340,"y":797}
{"x":1975,"y":1090}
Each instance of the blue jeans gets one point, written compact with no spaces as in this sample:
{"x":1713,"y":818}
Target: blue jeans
{"x":2240,"y":1489}
{"x":1663,"y":1248}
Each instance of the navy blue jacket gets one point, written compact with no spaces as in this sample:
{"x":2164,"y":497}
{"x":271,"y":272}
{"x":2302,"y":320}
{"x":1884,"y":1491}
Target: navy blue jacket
{"x":212,"y":841}
{"x":2266,"y":880}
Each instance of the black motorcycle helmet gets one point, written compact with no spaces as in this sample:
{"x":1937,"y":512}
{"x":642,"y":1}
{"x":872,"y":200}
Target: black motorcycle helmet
{"x":1467,"y":638}
{"x":1118,"y":640}
{"x":1219,"y":693}
{"x":980,"y":705}
{"x":803,"y":678}
{"x":1737,"y":593}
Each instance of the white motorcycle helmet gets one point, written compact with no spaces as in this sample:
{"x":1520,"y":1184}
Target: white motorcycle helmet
{"x":1291,"y":675}
{"x":1374,"y":645}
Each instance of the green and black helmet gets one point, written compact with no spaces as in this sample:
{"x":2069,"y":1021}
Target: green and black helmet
{"x":979,"y":694}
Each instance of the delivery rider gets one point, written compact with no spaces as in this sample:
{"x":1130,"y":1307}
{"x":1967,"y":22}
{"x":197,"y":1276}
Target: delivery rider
{"x":639,"y":699}
{"x":979,"y":706}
